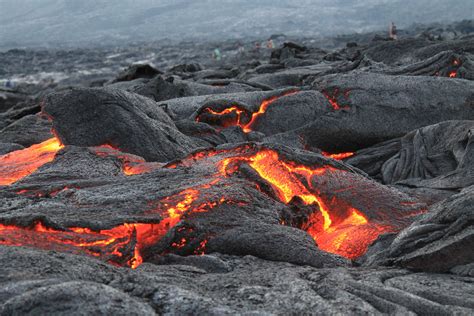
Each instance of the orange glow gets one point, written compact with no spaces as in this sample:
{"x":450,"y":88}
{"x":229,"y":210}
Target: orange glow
{"x":333,"y":99}
{"x":339,"y":156}
{"x":120,"y":245}
{"x":110,"y":244}
{"x":237,"y":120}
{"x":453,"y":74}
{"x":21,"y":163}
{"x":140,"y":168}
{"x":337,"y":227}
{"x":333,"y":102}
{"x":131,"y":164}
{"x":247,"y":128}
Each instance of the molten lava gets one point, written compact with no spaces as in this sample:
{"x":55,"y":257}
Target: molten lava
{"x":120,"y":245}
{"x":333,"y":99}
{"x":21,"y":163}
{"x":131,"y":164}
{"x":337,"y":227}
{"x":453,"y":74}
{"x":339,"y":156}
{"x":18,"y":164}
{"x":233,"y":116}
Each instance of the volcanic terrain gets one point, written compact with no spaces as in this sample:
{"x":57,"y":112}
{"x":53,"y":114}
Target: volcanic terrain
{"x":285,"y":181}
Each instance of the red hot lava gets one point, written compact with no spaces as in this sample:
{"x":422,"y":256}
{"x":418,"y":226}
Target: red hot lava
{"x":339,"y":156}
{"x":335,"y":225}
{"x":131,"y":164}
{"x":21,"y":163}
{"x":237,"y":114}
{"x":338,"y":227}
{"x":120,"y":245}
{"x":333,"y":99}
{"x":18,"y":164}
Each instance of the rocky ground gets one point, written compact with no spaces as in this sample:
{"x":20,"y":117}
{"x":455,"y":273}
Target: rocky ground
{"x":294,"y":180}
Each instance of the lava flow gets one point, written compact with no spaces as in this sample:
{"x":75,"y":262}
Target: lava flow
{"x":333,"y":99}
{"x":339,"y":156}
{"x":121,"y":245}
{"x":343,"y":230}
{"x":234,"y":116}
{"x":131,"y":164}
{"x":18,"y":164}
{"x":21,"y":163}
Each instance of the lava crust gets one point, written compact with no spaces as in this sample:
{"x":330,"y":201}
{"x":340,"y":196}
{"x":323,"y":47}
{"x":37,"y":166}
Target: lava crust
{"x":311,"y":182}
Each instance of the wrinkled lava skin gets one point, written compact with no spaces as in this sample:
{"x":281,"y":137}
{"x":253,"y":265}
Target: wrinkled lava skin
{"x":314,"y":182}
{"x":340,"y":219}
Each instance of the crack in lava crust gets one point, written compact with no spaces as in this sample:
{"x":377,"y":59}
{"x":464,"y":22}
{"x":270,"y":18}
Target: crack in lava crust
{"x":344,"y":230}
{"x":233,"y":116}
{"x":120,"y":245}
{"x":336,"y":225}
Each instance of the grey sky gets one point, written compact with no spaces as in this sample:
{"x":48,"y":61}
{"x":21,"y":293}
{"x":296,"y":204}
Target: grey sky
{"x":59,"y":21}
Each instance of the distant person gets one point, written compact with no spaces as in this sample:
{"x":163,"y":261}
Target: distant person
{"x":392,"y":32}
{"x":216,"y":54}
{"x":270,"y":44}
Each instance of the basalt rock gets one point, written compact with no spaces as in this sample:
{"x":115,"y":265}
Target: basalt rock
{"x":135,"y":124}
{"x":308,"y":181}
{"x":219,"y":199}
{"x":27,"y":131}
{"x":137,"y":71}
{"x":437,"y":156}
{"x":160,"y":88}
{"x":247,"y":284}
{"x":440,"y":241}
{"x":373,"y":108}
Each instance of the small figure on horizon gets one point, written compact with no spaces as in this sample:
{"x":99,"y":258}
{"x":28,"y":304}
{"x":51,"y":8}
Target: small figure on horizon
{"x":270,"y":44}
{"x":216,"y":54}
{"x":392,"y":32}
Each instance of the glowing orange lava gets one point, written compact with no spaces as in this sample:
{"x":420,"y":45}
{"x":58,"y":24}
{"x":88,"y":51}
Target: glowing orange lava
{"x":339,"y":156}
{"x":247,"y":128}
{"x":333,"y":99}
{"x":336,"y":225}
{"x":237,"y":120}
{"x":131,"y":164}
{"x":120,"y":245}
{"x":21,"y":163}
{"x":453,"y":74}
{"x":344,"y":230}
{"x":111,"y":244}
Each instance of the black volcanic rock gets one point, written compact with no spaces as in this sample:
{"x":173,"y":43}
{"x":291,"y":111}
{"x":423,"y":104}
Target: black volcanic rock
{"x":27,"y":131}
{"x":375,"y":108}
{"x":161,"y":88}
{"x":438,"y":156}
{"x":93,"y":117}
{"x":440,"y":241}
{"x":137,"y":71}
{"x":293,"y":180}
{"x":185,"y":287}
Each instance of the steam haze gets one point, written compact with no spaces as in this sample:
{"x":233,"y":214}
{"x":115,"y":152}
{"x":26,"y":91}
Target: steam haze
{"x":46,"y":22}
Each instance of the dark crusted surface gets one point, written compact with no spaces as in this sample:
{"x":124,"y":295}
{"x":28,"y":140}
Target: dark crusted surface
{"x":411,"y":176}
{"x":35,"y":282}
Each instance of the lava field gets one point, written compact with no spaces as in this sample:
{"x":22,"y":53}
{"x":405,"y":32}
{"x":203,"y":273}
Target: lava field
{"x":311,"y":182}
